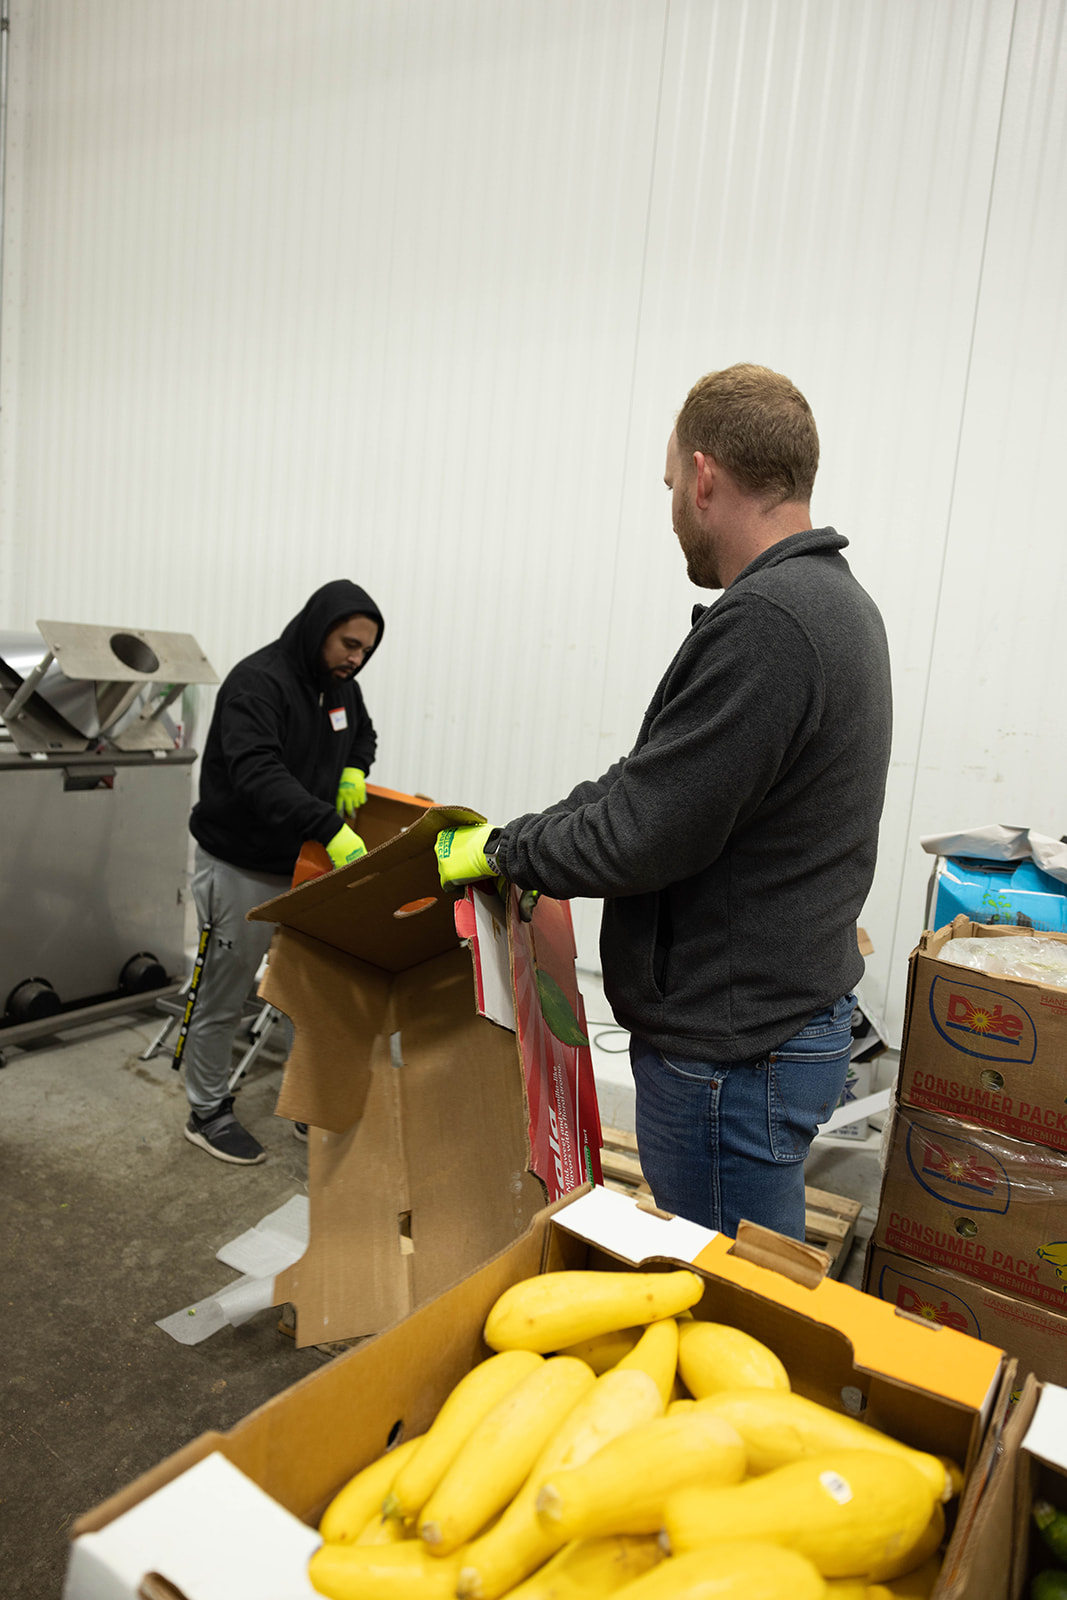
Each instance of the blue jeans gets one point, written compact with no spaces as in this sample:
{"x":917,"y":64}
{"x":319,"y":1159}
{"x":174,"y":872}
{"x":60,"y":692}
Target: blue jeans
{"x":719,"y":1141}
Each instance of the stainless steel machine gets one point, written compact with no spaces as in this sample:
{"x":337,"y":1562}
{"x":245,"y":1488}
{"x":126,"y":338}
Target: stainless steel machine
{"x":94,"y":806}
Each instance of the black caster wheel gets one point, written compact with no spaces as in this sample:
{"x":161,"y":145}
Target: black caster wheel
{"x":32,"y":1000}
{"x":141,"y":973}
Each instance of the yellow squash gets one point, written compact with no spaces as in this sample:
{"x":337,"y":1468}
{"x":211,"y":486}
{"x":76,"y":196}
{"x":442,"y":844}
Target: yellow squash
{"x":587,"y":1569}
{"x":518,"y":1543}
{"x":557,"y":1309}
{"x":384,"y":1530}
{"x":714,"y":1356}
{"x":779,"y":1427}
{"x":898,"y":1567}
{"x":352,"y":1507}
{"x":656,"y":1352}
{"x":404,"y":1571}
{"x":731,"y":1571}
{"x":497,"y":1456}
{"x":473,"y":1397}
{"x":622,"y":1489}
{"x":606,"y":1349}
{"x":916,"y":1585}
{"x":848,"y":1511}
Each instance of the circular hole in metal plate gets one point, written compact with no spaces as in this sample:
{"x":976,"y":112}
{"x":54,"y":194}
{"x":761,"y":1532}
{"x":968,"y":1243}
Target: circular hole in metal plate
{"x":134,"y":653}
{"x":413,"y":907}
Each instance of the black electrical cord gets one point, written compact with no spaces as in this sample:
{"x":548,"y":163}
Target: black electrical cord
{"x":605,"y":1029}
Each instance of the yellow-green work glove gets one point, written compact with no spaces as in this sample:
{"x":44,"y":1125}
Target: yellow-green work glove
{"x":351,"y":791}
{"x":460,"y":855}
{"x":345,"y":846}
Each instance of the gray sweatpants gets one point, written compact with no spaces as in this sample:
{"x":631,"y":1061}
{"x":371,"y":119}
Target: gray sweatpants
{"x":223,"y":895}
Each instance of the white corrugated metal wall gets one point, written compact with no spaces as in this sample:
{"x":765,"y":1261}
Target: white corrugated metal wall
{"x":411,"y":289}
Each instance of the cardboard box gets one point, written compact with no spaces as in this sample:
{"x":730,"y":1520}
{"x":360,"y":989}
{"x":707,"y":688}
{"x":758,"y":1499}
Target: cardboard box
{"x":960,"y":1196}
{"x":993,"y":1050}
{"x":1025,"y":1456}
{"x":1034,"y":1335}
{"x":931,"y":1386}
{"x":442,"y":1108}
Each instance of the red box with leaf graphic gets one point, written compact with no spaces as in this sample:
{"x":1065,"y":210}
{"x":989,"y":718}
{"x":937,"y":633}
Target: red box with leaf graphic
{"x":525,"y":979}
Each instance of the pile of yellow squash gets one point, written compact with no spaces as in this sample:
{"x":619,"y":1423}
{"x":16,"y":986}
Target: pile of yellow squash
{"x":614,"y":1444}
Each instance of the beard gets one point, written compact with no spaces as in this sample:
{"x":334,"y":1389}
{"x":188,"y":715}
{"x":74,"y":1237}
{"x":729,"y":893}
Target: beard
{"x":699,"y":557}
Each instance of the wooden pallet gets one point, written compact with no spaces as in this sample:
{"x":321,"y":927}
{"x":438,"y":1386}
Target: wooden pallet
{"x":829,"y":1219}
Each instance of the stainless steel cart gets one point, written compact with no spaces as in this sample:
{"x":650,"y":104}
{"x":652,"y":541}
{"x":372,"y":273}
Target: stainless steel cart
{"x":94,"y":808}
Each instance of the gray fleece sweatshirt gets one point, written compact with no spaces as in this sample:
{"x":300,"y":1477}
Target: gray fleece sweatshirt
{"x":735,"y":845}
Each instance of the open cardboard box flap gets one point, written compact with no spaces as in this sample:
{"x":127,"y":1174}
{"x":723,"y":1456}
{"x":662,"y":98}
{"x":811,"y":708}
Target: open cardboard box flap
{"x":341,"y":939}
{"x":818,"y":1327}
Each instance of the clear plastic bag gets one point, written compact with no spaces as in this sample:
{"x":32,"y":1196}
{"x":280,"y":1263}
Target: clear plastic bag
{"x":1042,"y":960}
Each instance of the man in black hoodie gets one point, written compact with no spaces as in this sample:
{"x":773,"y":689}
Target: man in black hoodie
{"x":735,"y":845}
{"x":286,"y":759}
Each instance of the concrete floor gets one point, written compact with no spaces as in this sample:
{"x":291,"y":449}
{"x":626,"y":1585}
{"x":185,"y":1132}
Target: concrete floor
{"x":110,"y":1221}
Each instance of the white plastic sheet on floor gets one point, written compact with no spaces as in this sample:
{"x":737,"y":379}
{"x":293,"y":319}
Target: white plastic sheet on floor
{"x":258,"y":1254}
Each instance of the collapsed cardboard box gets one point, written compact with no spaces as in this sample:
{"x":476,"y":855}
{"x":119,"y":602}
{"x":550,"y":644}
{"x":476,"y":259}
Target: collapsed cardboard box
{"x":960,"y":1196}
{"x":1026,"y":1451}
{"x":933,"y":1387}
{"x":986,"y":1048}
{"x":440,"y":1062}
{"x":1033,"y":1334}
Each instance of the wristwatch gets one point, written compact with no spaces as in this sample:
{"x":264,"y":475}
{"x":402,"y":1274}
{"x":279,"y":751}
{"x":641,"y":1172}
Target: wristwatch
{"x":489,"y":849}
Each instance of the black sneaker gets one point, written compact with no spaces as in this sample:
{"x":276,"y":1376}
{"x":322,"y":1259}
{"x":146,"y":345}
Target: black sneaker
{"x":222,"y":1136}
{"x":300,"y":1131}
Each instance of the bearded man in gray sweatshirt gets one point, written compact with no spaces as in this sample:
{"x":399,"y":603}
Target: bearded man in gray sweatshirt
{"x":735,"y":845}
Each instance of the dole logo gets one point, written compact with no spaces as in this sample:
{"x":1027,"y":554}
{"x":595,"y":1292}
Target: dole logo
{"x":981,"y":1022}
{"x":962,"y":1174}
{"x":921,"y":1299}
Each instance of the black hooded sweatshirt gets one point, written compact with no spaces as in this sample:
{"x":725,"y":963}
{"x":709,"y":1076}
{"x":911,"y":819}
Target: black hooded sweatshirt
{"x":282,"y":732}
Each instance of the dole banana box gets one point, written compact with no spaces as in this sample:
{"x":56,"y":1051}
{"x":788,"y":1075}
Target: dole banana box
{"x":992,"y":1208}
{"x":993,"y":1050}
{"x":931,"y":1386}
{"x":1035,"y":1335}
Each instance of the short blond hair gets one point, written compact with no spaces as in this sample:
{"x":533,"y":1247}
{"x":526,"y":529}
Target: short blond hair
{"x":757,"y":425}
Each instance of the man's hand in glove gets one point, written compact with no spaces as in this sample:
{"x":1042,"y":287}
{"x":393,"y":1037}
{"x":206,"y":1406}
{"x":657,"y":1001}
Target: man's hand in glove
{"x":351,"y":792}
{"x":345,"y":846}
{"x":461,"y":858}
{"x":461,"y":855}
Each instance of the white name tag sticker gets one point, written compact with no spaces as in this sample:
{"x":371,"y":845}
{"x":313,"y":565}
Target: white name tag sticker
{"x":339,"y":718}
